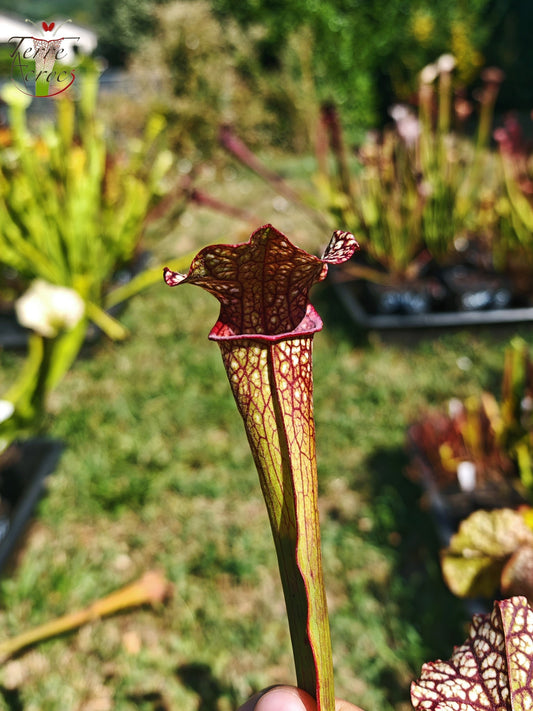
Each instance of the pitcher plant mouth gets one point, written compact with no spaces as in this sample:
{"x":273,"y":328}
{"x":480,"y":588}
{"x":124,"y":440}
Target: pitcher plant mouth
{"x":265,"y":330}
{"x":263,"y":285}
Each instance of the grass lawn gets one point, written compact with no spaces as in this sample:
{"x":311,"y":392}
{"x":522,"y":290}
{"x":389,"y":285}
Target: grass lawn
{"x":157,"y":474}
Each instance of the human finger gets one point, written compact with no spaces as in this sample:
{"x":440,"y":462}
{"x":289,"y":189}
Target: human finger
{"x":289,"y":698}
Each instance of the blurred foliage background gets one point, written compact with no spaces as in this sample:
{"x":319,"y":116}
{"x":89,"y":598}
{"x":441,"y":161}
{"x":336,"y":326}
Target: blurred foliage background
{"x":268,"y":64}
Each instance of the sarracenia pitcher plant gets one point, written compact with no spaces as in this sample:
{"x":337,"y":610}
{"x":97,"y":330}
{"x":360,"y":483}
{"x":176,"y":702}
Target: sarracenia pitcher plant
{"x":265,"y":332}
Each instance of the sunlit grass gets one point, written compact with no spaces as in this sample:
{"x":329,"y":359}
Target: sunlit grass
{"x":157,"y":473}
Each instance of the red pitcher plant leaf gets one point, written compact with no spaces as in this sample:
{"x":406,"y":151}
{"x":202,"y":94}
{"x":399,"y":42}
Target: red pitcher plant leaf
{"x":491,"y":671}
{"x":265,"y":330}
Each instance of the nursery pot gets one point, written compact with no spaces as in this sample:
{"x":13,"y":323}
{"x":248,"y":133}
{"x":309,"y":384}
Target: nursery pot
{"x":24,"y":467}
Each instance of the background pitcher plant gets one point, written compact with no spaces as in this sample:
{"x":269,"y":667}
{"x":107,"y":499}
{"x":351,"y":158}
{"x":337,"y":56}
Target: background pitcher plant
{"x":265,"y":331}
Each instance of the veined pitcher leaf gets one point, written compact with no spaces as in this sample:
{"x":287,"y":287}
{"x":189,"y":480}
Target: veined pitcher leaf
{"x":491,"y":671}
{"x":265,"y":330}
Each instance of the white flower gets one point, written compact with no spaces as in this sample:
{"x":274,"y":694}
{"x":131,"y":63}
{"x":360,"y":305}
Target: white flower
{"x":429,"y":74}
{"x":526,"y":404}
{"x":48,"y":309}
{"x":398,"y":112}
{"x":466,"y":476}
{"x":464,"y":363}
{"x":446,"y":63}
{"x":6,"y":410}
{"x":15,"y":95}
{"x":461,"y":243}
{"x":409,"y":128}
{"x":455,"y":407}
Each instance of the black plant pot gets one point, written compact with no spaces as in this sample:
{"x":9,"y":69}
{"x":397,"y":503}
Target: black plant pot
{"x":12,"y":334}
{"x":24,"y":467}
{"x":469,"y":289}
{"x":413,"y":299}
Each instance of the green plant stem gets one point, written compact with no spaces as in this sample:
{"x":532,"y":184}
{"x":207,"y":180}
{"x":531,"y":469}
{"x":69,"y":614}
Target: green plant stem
{"x":107,"y":323}
{"x":145,"y":279}
{"x":38,"y":399}
{"x":151,"y":588}
{"x":272,"y":385}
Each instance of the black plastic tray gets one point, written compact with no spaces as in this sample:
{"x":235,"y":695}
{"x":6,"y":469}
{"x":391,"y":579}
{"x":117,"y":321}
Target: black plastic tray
{"x":361,"y":317}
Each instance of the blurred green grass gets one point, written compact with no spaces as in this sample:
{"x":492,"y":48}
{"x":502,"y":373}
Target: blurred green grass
{"x":157,"y":473}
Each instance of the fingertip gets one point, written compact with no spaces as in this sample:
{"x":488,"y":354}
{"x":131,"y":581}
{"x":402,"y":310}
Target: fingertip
{"x":286,"y":698}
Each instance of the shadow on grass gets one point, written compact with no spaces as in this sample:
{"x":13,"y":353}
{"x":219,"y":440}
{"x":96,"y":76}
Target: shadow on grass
{"x":402,"y":524}
{"x":199,"y":678}
{"x":12,"y":699}
{"x":152,"y":700}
